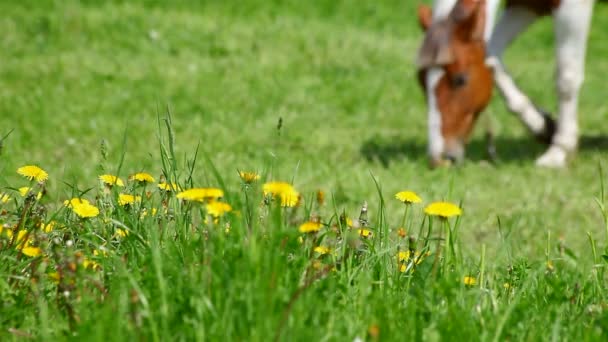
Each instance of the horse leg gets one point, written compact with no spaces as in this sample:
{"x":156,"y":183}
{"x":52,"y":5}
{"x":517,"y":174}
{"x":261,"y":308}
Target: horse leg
{"x":572,"y":21}
{"x":513,"y":21}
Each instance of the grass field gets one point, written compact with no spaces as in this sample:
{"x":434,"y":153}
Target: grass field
{"x":85,"y":88}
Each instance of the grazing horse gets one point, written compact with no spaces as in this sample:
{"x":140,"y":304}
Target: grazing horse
{"x":461,"y":56}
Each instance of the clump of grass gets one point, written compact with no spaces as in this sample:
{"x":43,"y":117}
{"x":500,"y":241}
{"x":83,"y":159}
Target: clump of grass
{"x":251,"y":257}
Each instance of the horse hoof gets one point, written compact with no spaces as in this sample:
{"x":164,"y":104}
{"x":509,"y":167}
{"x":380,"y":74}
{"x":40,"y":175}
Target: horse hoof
{"x":555,"y":157}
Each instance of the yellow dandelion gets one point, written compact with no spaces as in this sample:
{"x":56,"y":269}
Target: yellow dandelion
{"x":90,"y":264}
{"x":75,"y":201}
{"x":25,"y":190}
{"x":31,"y":251}
{"x":403,"y":257}
{"x":285,"y":191}
{"x":121,"y":232}
{"x":4,"y":198}
{"x":365,"y":233}
{"x":201,"y":194}
{"x":84,"y":210}
{"x":47,"y":228}
{"x":310,"y":227}
{"x":322,"y":250}
{"x":53,"y":277}
{"x":218,"y":209}
{"x":169,"y":186}
{"x":111,"y":180}
{"x":33,"y":172}
{"x":249,"y":177}
{"x":469,"y":281}
{"x":22,"y":239}
{"x":100,"y":252}
{"x":506,"y":286}
{"x":127,"y":199}
{"x":142,"y":177}
{"x":443,"y":209}
{"x":408,"y":197}
{"x":320,"y":197}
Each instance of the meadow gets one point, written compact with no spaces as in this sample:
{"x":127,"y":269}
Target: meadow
{"x":321,"y":95}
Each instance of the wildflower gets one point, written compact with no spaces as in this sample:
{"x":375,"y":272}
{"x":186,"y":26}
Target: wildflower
{"x":322,"y":250}
{"x":142,"y":177}
{"x":54,"y":277}
{"x":443,"y":209}
{"x":550,"y":266}
{"x":111,"y":180}
{"x":300,"y":239}
{"x":365,"y":233}
{"x":310,"y":227}
{"x":24,"y":191}
{"x":320,"y":197}
{"x":401,"y":232}
{"x":21,"y":240}
{"x":506,"y":286}
{"x":201,"y":194}
{"x":4,"y":198}
{"x":218,"y":209}
{"x":168,"y":186}
{"x":31,"y":251}
{"x":75,"y":201}
{"x":100,"y":252}
{"x":144,"y":212}
{"x":121,"y":232}
{"x":469,"y":281}
{"x":403,"y":258}
{"x":285,"y":191}
{"x":90,"y":264}
{"x":408,"y":197}
{"x":47,"y":228}
{"x":249,"y":177}
{"x":126,"y":199}
{"x":84,"y":209}
{"x":32,"y":172}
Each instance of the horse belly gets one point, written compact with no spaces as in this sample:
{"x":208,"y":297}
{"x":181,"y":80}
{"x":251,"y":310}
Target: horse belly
{"x":540,"y":7}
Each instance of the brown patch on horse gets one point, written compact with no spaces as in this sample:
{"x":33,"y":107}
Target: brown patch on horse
{"x":540,"y":7}
{"x":461,"y":104}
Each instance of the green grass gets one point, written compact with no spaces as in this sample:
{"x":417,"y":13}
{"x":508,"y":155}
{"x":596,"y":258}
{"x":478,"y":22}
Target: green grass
{"x":340,"y":77}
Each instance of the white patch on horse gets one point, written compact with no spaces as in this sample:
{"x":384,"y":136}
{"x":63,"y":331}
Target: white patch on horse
{"x":442,"y":8}
{"x":512,"y":23}
{"x":491,"y":7}
{"x":572,"y":21}
{"x":436,"y":143}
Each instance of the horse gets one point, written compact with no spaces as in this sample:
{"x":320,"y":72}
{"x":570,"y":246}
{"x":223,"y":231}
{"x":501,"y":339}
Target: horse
{"x":459,"y":61}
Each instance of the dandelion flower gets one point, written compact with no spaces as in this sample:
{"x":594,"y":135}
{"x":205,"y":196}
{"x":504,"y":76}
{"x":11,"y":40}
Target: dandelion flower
{"x":408,"y":197}
{"x":249,"y":177}
{"x":218,"y":209}
{"x":84,"y":210}
{"x":54,"y":277}
{"x":201,"y":194}
{"x":25,"y":190}
{"x":310,"y":227}
{"x":111,"y":180}
{"x":469,"y":281}
{"x":121,"y":232}
{"x":100,"y":252}
{"x":32,"y":172}
{"x":285,"y":191}
{"x":126,"y":199}
{"x":365,"y":233}
{"x":31,"y":251}
{"x":75,"y":201}
{"x":4,"y":198}
{"x":443,"y":209}
{"x":90,"y":264}
{"x":322,"y":250}
{"x":169,"y":186}
{"x":142,"y":177}
{"x":47,"y":228}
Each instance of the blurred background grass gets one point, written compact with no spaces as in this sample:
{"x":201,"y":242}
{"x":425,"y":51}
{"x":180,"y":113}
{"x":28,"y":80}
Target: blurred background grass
{"x":339,"y":75}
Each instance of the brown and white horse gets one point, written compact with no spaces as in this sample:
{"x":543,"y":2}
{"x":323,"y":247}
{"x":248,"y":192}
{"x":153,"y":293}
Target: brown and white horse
{"x":460,"y":58}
